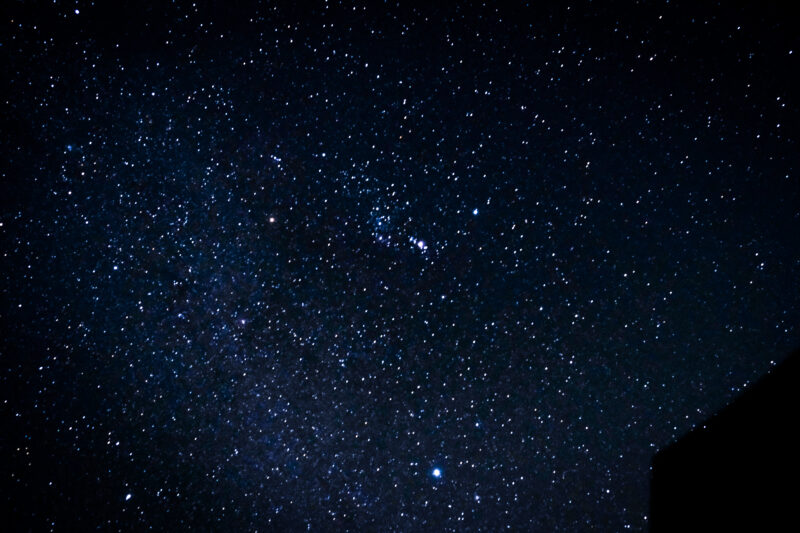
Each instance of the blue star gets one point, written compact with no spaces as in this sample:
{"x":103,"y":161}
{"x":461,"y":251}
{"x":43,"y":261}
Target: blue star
{"x":437,"y":473}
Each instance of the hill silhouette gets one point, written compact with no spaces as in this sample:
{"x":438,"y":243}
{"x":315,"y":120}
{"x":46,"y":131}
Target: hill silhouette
{"x":739,"y":469}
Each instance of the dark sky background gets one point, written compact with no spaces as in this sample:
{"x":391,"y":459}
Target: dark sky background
{"x":383,"y":267}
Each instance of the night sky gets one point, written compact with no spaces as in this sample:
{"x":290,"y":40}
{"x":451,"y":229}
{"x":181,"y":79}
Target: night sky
{"x":383,"y":267}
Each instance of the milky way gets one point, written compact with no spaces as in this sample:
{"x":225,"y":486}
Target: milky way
{"x":378,"y":267}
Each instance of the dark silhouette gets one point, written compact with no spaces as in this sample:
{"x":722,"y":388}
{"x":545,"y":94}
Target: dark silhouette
{"x":739,"y":470}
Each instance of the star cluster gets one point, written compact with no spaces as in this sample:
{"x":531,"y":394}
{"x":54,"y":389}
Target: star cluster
{"x":368,"y":266}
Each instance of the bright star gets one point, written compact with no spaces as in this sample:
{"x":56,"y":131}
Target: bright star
{"x":475,"y":211}
{"x":437,"y":472}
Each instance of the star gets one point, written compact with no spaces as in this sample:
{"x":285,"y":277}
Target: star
{"x":205,"y":320}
